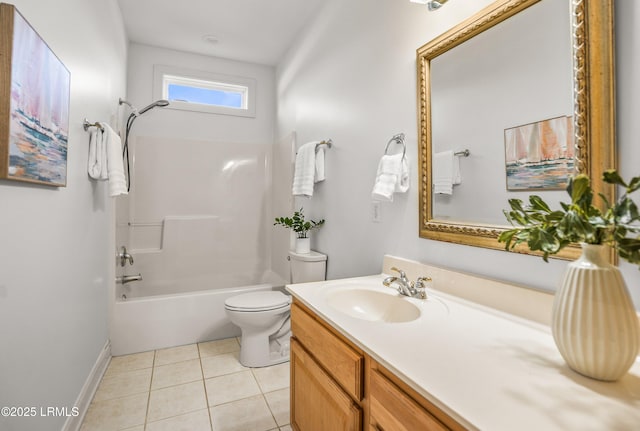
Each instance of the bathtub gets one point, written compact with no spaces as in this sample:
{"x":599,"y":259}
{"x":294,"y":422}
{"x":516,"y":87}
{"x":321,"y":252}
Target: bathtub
{"x":189,"y":268}
{"x":145,"y":323}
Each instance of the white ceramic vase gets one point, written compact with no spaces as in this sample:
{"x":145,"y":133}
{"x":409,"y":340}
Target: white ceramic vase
{"x":303,"y":245}
{"x":594,"y":323}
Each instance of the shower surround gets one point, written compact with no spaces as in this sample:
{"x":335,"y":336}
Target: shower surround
{"x":197,"y":223}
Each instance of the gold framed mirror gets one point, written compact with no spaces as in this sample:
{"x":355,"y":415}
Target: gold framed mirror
{"x":589,"y":108}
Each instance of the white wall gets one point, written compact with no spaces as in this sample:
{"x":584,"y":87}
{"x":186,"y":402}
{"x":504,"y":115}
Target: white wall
{"x":352,"y":77}
{"x":194,"y":125}
{"x":56,"y":261}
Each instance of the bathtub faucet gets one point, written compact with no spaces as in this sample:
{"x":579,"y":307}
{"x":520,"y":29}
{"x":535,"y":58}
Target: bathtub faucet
{"x":128,"y":278}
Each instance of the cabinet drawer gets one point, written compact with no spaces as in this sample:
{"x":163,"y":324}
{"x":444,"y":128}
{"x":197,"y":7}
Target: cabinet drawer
{"x":345,"y":364}
{"x":393,"y":409}
{"x":317,"y":402}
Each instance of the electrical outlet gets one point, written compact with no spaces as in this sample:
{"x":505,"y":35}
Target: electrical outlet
{"x":375,"y":212}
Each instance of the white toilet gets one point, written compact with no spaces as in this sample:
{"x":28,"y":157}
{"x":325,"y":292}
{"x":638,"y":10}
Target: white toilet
{"x":263,"y":317}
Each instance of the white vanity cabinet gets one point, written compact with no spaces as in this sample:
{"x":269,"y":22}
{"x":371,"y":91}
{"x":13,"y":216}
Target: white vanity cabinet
{"x":458,"y":365}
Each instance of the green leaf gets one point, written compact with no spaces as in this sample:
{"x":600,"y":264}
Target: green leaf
{"x":630,"y":243}
{"x":634,"y":185}
{"x":578,"y":186}
{"x":507,"y":237}
{"x":625,"y":211}
{"x":520,"y":218}
{"x":538,"y":204}
{"x":629,"y":249}
{"x":574,"y":228}
{"x":516,"y":205}
{"x":548,"y":242}
{"x":611,"y":176}
{"x":555,"y":216}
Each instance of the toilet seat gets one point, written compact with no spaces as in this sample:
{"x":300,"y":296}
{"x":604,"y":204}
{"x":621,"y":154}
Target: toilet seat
{"x":258,"y":301}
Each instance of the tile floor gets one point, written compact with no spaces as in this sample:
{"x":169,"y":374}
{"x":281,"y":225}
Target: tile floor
{"x":198,"y":387}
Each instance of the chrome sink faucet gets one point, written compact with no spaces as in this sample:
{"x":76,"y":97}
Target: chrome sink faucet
{"x":406,"y":287}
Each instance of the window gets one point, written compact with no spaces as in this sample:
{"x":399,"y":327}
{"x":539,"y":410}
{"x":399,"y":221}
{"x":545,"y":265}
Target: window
{"x":205,"y":92}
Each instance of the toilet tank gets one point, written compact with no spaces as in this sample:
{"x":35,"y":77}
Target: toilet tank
{"x":307,"y":267}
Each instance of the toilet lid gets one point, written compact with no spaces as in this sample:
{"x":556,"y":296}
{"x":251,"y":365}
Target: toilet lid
{"x":258,"y":301}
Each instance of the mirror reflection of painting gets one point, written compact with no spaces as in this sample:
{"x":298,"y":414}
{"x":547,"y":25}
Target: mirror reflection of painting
{"x":540,"y":155}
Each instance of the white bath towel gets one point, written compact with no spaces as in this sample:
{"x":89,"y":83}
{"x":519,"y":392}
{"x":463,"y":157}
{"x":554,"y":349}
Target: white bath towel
{"x":309,"y":169}
{"x":446,"y":172}
{"x":392,"y":177}
{"x":97,"y":164}
{"x":115,"y":165}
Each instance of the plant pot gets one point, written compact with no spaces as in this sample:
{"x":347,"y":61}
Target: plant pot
{"x":594,"y":323}
{"x":293,"y":237}
{"x":303,"y":245}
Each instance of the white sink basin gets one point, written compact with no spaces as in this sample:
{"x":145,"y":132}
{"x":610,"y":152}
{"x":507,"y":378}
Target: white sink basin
{"x":373,"y":305}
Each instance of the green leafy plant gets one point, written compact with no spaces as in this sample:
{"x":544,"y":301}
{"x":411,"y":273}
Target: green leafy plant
{"x":549,"y":231}
{"x":299,"y":225}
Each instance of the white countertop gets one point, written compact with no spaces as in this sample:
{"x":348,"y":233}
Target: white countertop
{"x":487,"y":369}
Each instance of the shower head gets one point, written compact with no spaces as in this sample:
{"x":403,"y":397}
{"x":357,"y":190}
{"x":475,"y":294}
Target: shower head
{"x":160,"y":103}
{"x":132,"y":117}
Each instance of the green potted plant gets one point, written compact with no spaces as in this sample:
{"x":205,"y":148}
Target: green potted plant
{"x":594,"y":323}
{"x":301,"y":228}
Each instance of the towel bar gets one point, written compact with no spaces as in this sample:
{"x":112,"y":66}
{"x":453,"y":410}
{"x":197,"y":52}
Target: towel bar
{"x":463,"y":153}
{"x":86,"y":124}
{"x":327,"y":142}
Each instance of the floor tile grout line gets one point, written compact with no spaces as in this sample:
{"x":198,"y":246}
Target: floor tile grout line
{"x":206,"y":394}
{"x":146,"y":415}
{"x":271,"y":411}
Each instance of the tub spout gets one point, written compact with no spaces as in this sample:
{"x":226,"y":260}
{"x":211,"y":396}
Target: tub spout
{"x":128,"y":278}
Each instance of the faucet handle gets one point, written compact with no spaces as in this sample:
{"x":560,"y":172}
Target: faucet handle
{"x":420,"y":285}
{"x":420,"y":281}
{"x":403,"y":276}
{"x":124,"y":256}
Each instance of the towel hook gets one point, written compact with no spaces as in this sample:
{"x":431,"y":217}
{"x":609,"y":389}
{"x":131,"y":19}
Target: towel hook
{"x":398,"y":139}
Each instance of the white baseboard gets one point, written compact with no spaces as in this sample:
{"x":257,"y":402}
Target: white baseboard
{"x":89,"y":389}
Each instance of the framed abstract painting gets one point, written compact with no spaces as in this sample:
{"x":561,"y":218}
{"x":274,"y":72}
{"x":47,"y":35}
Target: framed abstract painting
{"x":34,"y":105}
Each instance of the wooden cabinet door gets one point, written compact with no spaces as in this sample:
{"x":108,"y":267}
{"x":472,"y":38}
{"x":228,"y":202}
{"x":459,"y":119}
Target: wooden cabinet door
{"x":317,"y":402}
{"x":344,"y":363}
{"x":393,"y":410}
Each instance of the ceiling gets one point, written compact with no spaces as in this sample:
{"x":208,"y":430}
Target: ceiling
{"x":256,"y":31}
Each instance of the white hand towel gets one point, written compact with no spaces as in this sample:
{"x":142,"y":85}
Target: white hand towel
{"x":403,"y":179}
{"x":443,"y":173}
{"x":97,"y":165}
{"x":392,"y":177}
{"x":115,"y":165}
{"x":305,"y":170}
{"x":319,"y":173}
{"x":457,"y":177}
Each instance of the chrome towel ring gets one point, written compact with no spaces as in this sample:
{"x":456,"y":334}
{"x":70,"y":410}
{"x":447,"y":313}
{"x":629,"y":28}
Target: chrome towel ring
{"x":398,"y":139}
